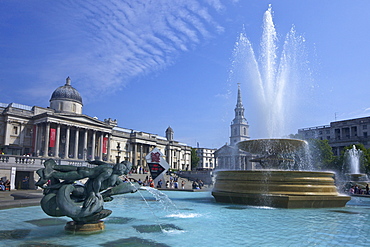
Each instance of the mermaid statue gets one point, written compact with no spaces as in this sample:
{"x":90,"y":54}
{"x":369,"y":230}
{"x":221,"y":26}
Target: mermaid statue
{"x":66,"y":195}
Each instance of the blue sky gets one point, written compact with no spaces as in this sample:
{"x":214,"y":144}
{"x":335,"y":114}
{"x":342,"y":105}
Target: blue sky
{"x":154,"y":64}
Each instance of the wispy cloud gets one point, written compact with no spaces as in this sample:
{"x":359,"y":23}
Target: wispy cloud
{"x":121,"y":39}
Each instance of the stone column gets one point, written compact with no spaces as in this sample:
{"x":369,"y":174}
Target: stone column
{"x":38,"y":140}
{"x":85,"y":145}
{"x":100,"y":152}
{"x":21,"y":138}
{"x":93,"y":145}
{"x":141,"y":155}
{"x":134,"y":160}
{"x":57,"y":140}
{"x":75,"y":156}
{"x":46,"y":144}
{"x":66,"y":147}
{"x":34,"y":139}
{"x":7,"y":132}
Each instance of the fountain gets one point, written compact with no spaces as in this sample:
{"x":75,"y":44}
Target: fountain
{"x":66,"y":195}
{"x":352,"y":167}
{"x":282,"y":181}
{"x":276,"y":187}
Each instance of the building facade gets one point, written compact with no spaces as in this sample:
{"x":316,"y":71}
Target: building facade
{"x":63,"y":132}
{"x":207,"y":159}
{"x":340,"y":133}
{"x":230,"y":157}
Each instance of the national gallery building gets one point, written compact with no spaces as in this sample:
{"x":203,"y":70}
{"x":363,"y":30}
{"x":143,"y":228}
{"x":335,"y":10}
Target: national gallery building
{"x":62,"y":132}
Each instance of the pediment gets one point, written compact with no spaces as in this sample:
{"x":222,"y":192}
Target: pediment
{"x":226,"y":149}
{"x":229,"y":150}
{"x":82,"y":119}
{"x":78,"y":120}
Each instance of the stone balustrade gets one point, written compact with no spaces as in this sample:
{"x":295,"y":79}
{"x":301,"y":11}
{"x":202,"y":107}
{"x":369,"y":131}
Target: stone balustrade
{"x":7,"y":161}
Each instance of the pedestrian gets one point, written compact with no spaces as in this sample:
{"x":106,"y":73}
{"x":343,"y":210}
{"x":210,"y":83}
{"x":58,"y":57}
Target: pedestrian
{"x":159,"y":184}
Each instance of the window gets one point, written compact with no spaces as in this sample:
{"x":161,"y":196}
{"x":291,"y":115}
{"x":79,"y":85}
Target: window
{"x":74,"y":107}
{"x":245,"y":131}
{"x":15,"y":130}
{"x":61,"y":106}
{"x":364,"y":127}
{"x":365,"y":134}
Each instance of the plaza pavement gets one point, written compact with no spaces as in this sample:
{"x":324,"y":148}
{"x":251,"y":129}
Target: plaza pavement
{"x":26,"y":198}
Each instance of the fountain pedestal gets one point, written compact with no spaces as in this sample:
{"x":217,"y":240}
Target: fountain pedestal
{"x":281,"y":189}
{"x":86,"y":228}
{"x":277,"y":188}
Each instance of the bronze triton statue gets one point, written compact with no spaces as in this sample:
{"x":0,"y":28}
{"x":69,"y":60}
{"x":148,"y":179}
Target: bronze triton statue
{"x":65,"y":195}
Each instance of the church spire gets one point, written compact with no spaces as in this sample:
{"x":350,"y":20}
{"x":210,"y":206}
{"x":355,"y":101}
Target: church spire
{"x":239,"y":101}
{"x":239,"y":126}
{"x":239,"y":109}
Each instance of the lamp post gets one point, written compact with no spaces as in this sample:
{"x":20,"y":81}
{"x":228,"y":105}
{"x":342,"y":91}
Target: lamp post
{"x":118,"y":157}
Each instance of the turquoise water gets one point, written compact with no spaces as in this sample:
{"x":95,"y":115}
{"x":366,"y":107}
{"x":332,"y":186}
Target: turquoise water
{"x":194,"y":219}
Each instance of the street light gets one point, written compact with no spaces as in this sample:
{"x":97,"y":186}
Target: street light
{"x":118,"y":157}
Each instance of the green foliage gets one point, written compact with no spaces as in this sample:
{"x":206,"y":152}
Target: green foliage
{"x":194,"y":159}
{"x":322,"y":156}
{"x":295,"y":136}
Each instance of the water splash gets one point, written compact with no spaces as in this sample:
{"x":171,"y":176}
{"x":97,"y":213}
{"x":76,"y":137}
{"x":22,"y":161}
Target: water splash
{"x":184,"y":216}
{"x":353,"y":159}
{"x":274,"y":75}
{"x":162,"y":198}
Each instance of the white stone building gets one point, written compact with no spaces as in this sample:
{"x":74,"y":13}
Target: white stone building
{"x":230,"y":157}
{"x":64,"y":133}
{"x":340,"y":133}
{"x":207,"y":159}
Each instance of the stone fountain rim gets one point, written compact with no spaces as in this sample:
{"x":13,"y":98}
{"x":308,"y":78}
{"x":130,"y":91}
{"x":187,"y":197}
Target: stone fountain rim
{"x":275,"y":171}
{"x":295,"y":145}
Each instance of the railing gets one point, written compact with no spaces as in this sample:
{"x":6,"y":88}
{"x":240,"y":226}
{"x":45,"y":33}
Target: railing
{"x":37,"y":161}
{"x":15,"y":159}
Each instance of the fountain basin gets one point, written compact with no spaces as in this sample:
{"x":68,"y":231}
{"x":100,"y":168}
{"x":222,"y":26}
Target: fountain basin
{"x":278,"y":188}
{"x":360,"y":177}
{"x":271,"y":146}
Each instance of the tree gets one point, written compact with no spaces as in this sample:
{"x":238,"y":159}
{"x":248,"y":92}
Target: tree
{"x":322,"y":156}
{"x":295,"y":136}
{"x":194,"y":159}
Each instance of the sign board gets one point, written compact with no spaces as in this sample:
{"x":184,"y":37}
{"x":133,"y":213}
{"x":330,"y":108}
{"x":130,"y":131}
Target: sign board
{"x":157,"y":165}
{"x":155,"y":169}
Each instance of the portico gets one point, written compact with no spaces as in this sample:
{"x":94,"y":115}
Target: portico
{"x":62,"y":138}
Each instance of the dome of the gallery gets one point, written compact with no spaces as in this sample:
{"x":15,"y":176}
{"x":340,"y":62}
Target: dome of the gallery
{"x":66,"y":92}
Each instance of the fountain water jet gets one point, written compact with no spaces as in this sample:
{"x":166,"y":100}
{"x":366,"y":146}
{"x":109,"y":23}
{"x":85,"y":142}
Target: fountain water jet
{"x":274,"y":77}
{"x":353,"y":159}
{"x":276,"y":188}
{"x":353,"y":165}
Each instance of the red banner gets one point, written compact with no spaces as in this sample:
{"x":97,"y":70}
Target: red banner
{"x":105,"y":144}
{"x":52,"y":138}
